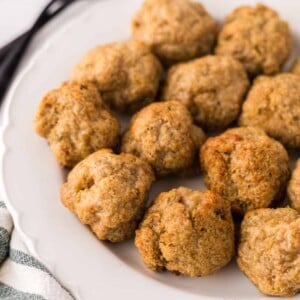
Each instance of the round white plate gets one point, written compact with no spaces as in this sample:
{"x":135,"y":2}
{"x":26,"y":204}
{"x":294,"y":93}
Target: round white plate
{"x":32,"y":178}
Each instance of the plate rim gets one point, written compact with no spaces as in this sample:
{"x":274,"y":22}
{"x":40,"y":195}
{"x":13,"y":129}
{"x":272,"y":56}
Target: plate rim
{"x":5,"y":125}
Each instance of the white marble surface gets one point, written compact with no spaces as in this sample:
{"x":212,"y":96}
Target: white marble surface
{"x":16,"y":16}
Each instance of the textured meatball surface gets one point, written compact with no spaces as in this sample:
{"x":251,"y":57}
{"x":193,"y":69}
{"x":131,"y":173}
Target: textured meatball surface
{"x":257,"y":37}
{"x":127,"y":74}
{"x":269,"y":250}
{"x":212,"y":88}
{"x":108,"y":192}
{"x":188,"y":232}
{"x":273,"y":104}
{"x":176,"y":30}
{"x":163,"y":134}
{"x":75,"y":122}
{"x":246,"y":167}
{"x":294,"y":187}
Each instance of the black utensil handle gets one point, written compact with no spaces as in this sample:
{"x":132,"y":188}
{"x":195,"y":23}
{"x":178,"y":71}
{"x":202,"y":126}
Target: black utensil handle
{"x":3,"y":84}
{"x":8,"y":47}
{"x":13,"y":57}
{"x":42,"y":21}
{"x":9,"y":65}
{"x":50,"y":11}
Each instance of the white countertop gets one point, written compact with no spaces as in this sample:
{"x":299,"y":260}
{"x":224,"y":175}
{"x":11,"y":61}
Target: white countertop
{"x":16,"y":16}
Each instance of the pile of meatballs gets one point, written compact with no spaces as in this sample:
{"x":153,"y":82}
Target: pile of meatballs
{"x":183,"y":78}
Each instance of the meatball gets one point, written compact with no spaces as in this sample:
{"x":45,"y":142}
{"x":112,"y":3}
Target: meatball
{"x":212,"y":88}
{"x":127,"y":74}
{"x":108,"y":192}
{"x":176,"y":30}
{"x":273,"y":104}
{"x":246,"y":167}
{"x":257,"y":37}
{"x":188,"y":232}
{"x":163,"y":135}
{"x":269,"y":250}
{"x":294,"y":187}
{"x":296,"y":67}
{"x":76,"y":123}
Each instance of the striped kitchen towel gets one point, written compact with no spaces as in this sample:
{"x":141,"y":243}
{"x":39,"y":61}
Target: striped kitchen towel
{"x":23,"y":277}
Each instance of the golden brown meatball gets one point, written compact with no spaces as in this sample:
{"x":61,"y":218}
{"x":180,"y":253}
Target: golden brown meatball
{"x":188,"y":232}
{"x":163,"y":135}
{"x":273,"y":104}
{"x":294,"y":187}
{"x":269,"y":250}
{"x":246,"y":167}
{"x":296,"y":67}
{"x":257,"y":37}
{"x":75,"y":122}
{"x":212,"y":88}
{"x":127,"y":74}
{"x":176,"y":30}
{"x":108,"y":192}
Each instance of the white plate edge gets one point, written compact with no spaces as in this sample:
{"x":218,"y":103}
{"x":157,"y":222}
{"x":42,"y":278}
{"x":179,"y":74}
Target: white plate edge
{"x":28,"y":239}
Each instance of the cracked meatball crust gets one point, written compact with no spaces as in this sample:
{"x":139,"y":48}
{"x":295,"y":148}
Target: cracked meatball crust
{"x":188,"y":232}
{"x":257,"y":37}
{"x":75,"y":122}
{"x":126,"y":73}
{"x":269,"y":250}
{"x":108,"y":192}
{"x":176,"y":30}
{"x":163,"y":134}
{"x":246,"y":167}
{"x":294,"y":187}
{"x":273,"y":104}
{"x":212,"y":88}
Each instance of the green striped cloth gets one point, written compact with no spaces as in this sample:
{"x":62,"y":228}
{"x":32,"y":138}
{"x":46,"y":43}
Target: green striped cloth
{"x":23,"y":277}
